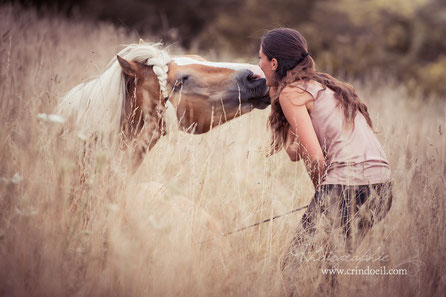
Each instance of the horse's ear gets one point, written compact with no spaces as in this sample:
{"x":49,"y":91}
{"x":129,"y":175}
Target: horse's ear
{"x":130,"y":68}
{"x":141,"y":41}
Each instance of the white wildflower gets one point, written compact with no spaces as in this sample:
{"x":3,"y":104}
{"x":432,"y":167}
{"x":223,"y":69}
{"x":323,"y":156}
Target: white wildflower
{"x":42,"y":116}
{"x":154,"y":223}
{"x":113,"y":207}
{"x":51,"y":118}
{"x":54,"y":118}
{"x":16,"y":178}
{"x":27,"y":212}
{"x":82,"y":136}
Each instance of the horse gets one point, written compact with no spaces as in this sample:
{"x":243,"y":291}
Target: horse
{"x":130,"y":98}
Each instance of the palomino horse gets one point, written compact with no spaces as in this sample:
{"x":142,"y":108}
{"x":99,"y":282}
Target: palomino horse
{"x":130,"y":98}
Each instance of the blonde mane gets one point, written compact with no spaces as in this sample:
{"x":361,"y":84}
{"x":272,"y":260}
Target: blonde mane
{"x":95,"y":107}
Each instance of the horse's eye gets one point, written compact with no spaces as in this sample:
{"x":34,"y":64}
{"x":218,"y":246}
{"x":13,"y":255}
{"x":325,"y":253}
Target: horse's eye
{"x":180,"y":82}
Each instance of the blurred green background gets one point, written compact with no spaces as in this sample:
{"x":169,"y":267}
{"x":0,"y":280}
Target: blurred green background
{"x":403,"y":39}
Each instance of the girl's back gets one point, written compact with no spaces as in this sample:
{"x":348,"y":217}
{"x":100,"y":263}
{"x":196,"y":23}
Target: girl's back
{"x":353,"y":157}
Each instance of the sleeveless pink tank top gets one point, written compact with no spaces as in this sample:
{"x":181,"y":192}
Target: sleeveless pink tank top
{"x":352,"y":157}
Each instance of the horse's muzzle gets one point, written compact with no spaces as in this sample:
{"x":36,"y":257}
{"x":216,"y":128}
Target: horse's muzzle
{"x":251,"y":85}
{"x":253,"y":89}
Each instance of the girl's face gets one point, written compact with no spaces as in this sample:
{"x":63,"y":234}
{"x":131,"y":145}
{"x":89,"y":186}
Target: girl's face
{"x":268,"y":67}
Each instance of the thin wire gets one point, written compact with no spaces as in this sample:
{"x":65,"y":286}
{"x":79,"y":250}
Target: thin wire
{"x":256,"y":224}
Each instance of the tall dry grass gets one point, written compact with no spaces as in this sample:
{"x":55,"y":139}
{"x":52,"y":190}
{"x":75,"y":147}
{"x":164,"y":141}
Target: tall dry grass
{"x":155,"y":233}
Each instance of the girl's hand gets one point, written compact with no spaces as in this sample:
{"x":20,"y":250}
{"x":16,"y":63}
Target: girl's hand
{"x":292,"y":146}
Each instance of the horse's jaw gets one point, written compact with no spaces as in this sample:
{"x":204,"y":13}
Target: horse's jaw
{"x":200,"y":115}
{"x":259,"y":102}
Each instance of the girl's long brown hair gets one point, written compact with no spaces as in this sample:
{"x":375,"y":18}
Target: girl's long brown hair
{"x":289,"y":48}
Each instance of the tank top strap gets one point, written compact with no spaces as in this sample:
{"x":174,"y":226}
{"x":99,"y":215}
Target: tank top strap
{"x":312,"y":87}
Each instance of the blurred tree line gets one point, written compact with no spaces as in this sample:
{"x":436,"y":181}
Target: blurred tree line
{"x":405,"y":39}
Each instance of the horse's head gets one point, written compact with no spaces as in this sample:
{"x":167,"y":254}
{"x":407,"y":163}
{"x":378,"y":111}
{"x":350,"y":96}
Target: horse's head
{"x":207,"y":94}
{"x":204,"y":94}
{"x":129,"y":98}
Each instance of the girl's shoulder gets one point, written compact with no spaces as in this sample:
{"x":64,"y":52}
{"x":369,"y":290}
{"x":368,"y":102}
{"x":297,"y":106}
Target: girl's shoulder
{"x":301,"y":92}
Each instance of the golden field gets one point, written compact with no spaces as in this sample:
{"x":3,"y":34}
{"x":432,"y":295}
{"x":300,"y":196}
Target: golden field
{"x":158,"y":232}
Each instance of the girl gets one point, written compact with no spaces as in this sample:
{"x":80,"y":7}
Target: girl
{"x":321,"y":120}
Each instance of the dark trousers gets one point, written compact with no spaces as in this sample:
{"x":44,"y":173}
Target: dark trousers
{"x":338,"y":218}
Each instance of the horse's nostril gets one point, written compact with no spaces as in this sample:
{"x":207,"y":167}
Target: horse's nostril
{"x":254,"y":76}
{"x":252,"y":83}
{"x":247,"y":76}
